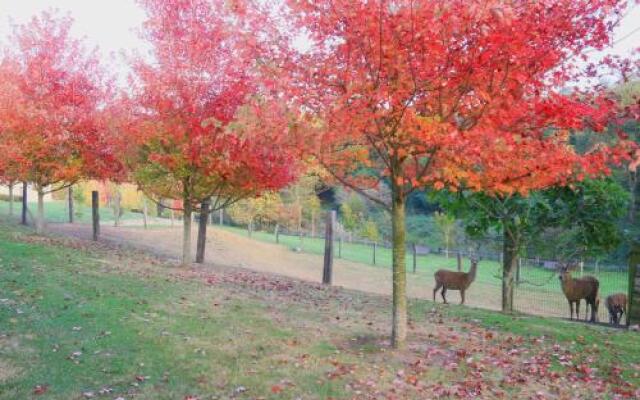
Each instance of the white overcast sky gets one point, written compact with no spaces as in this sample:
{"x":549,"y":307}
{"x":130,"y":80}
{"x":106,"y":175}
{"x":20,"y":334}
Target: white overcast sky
{"x":111,"y":24}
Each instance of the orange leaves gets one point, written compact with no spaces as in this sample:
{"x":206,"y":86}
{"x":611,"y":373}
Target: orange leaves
{"x":204,"y":125}
{"x":433,"y":113}
{"x":50,"y":107}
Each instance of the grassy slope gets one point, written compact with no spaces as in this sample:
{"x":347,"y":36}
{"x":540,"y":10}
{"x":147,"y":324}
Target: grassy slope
{"x":79,"y":320}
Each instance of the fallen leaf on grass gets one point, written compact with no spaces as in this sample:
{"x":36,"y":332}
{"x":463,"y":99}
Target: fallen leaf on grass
{"x":40,"y":389}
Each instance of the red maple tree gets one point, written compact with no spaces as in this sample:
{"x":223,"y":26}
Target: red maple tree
{"x":200,"y":127}
{"x":51,"y":128}
{"x":420,"y":95}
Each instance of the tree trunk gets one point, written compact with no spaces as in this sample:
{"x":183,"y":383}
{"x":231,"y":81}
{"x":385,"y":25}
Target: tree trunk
{"x":202,"y":231}
{"x":40,"y":215}
{"x":633,"y":183}
{"x":116,"y":208}
{"x":186,"y":234}
{"x":70,"y":202}
{"x":633,"y":313}
{"x":11,"y":200}
{"x":95,"y":214}
{"x":145,"y":212}
{"x":250,"y":227}
{"x":509,"y":265}
{"x":24,"y":203}
{"x":399,"y":312}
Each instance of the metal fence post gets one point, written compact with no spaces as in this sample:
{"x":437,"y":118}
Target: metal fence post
{"x":374,"y":253}
{"x":413,"y":248}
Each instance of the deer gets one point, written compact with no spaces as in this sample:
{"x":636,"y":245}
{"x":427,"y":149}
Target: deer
{"x":616,"y":305}
{"x":452,"y":280}
{"x":576,"y":289}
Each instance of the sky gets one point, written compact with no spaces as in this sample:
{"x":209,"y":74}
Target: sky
{"x":112,"y":24}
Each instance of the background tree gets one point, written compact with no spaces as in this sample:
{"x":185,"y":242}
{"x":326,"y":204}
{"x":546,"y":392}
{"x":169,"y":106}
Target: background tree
{"x":369,"y":230}
{"x":588,"y":211}
{"x":263,"y":211}
{"x":401,"y":91}
{"x":447,"y":226}
{"x":52,"y":123}
{"x":201,"y":130}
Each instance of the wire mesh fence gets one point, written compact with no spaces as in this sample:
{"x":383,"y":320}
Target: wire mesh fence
{"x":537,"y":288}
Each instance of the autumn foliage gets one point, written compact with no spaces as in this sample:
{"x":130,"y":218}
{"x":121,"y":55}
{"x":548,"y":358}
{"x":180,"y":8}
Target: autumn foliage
{"x":200,"y":126}
{"x":52,"y":92}
{"x":453,"y":94}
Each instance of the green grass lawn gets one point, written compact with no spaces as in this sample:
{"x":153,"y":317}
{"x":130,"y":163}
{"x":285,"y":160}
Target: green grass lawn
{"x":58,"y":211}
{"x":90,"y":322}
{"x":490,"y":272}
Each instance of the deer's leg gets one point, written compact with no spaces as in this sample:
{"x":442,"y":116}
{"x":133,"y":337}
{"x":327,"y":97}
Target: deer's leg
{"x":578,"y":310}
{"x":435,"y":290}
{"x":443,"y":293}
{"x":570,"y":309}
{"x":462,"y":296}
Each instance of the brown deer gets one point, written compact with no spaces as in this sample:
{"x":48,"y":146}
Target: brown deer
{"x":451,"y":280}
{"x":576,"y":289}
{"x":616,"y":305}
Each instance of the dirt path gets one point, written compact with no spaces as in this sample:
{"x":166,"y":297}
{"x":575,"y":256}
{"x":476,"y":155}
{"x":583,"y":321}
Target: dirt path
{"x":226,"y":248}
{"x":230,"y":249}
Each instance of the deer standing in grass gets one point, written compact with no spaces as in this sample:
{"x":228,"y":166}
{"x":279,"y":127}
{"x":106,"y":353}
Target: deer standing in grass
{"x":617,"y":306}
{"x":451,"y":280}
{"x":576,"y":289}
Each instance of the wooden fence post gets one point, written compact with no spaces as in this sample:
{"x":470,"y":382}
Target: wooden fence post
{"x":459,"y":260}
{"x":374,"y":253}
{"x":11,"y":186}
{"x":415,"y":261}
{"x":95,"y":214}
{"x":633,"y":314}
{"x":328,"y":249}
{"x":24,"y":203}
{"x":70,"y":200}
{"x":202,"y":231}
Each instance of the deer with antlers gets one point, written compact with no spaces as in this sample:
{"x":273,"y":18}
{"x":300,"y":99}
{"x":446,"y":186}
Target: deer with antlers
{"x":451,"y":280}
{"x":576,"y":289}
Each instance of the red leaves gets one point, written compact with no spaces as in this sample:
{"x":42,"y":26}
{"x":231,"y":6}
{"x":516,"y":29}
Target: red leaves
{"x":49,"y":106}
{"x":448,"y":93}
{"x":203,"y":126}
{"x":40,"y":389}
